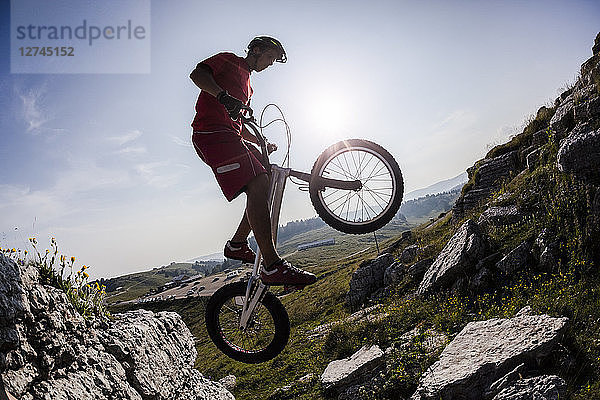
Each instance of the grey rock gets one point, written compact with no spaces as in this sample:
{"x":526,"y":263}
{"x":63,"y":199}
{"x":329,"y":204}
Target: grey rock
{"x":563,"y":119}
{"x":394,"y":274}
{"x":539,"y":138}
{"x":524,"y":312}
{"x":368,"y":279}
{"x":344,"y":373}
{"x":429,"y":340}
{"x":417,"y":270}
{"x":546,"y":250}
{"x":458,"y":257}
{"x":482,"y":279}
{"x":488,"y":175}
{"x":596,"y":46}
{"x":485,"y":351}
{"x":579,"y":154}
{"x":369,"y":314}
{"x":506,"y":380}
{"x":500,"y":215}
{"x":517,"y":259}
{"x":228,"y":382}
{"x":546,"y":387}
{"x":51,"y":352}
{"x":409,"y":254}
{"x":533,"y":159}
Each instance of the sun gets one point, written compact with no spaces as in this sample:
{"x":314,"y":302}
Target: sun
{"x":329,"y":114}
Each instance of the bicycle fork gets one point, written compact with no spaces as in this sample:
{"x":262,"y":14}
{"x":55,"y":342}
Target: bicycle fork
{"x":256,"y":290}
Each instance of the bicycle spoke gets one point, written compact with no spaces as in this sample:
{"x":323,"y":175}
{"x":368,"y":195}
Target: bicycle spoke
{"x":340,"y":172}
{"x":373,"y":173}
{"x":374,"y":193}
{"x":334,"y":191}
{"x":346,"y":195}
{"x":369,"y":206}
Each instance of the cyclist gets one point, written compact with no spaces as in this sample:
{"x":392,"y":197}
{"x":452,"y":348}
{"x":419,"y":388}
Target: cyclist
{"x":223,"y":144}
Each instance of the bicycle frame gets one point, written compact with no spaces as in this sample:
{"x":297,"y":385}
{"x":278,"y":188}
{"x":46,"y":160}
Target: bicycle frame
{"x":256,"y":289}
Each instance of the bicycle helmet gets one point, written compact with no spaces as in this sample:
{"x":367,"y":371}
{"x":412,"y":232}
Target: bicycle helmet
{"x":270,"y":42}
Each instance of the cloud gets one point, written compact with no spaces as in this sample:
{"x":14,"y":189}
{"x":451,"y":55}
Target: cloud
{"x":126,"y":137}
{"x":31,"y":108}
{"x":455,"y":121}
{"x":158,"y":174}
{"x":180,"y":142}
{"x":131,"y":150}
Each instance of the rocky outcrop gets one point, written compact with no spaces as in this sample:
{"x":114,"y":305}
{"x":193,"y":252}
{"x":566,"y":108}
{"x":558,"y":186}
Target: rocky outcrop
{"x":48,"y":351}
{"x":342,"y":373}
{"x":546,"y":387}
{"x":485,"y":351}
{"x":486,"y":177}
{"x":516,"y":260}
{"x":396,"y":272}
{"x":367,"y":279}
{"x":579,"y":154}
{"x":458,"y":257}
{"x":500,"y":215}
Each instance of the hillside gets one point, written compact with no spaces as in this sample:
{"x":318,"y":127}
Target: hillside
{"x":291,"y":235}
{"x":421,"y":209}
{"x":498,"y":299}
{"x":509,"y":275}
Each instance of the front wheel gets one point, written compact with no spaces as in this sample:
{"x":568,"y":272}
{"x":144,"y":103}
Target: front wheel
{"x":266,"y":334}
{"x":364,"y":210}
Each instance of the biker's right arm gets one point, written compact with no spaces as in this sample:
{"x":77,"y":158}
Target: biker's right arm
{"x":203,"y":78}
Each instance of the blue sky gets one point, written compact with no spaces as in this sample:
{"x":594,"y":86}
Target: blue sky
{"x":103,"y":162}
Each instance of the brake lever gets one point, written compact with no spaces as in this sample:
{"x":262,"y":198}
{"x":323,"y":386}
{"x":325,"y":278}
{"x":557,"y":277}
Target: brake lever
{"x":250,"y":117}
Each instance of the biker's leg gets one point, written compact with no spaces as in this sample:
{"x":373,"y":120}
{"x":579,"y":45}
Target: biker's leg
{"x":243,"y":230}
{"x":258,"y":216}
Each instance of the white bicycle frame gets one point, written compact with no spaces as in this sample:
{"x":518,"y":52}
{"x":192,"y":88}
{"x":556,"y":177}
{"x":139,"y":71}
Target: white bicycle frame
{"x":256,"y":289}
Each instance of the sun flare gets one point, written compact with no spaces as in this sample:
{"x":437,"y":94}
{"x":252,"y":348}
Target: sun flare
{"x":329,"y":114}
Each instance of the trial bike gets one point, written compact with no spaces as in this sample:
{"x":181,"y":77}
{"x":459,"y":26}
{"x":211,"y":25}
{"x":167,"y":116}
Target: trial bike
{"x":355,"y":186}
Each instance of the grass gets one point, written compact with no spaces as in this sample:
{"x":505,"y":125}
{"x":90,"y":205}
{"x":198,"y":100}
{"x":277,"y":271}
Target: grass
{"x":57,"y":271}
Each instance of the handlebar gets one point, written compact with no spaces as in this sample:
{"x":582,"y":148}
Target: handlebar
{"x":250,"y":122}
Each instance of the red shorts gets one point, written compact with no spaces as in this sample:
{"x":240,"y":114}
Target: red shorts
{"x":233,"y":162}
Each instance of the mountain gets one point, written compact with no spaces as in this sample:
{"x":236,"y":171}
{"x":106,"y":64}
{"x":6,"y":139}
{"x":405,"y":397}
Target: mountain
{"x":440,"y":187}
{"x":428,"y":206}
{"x":209,"y":257}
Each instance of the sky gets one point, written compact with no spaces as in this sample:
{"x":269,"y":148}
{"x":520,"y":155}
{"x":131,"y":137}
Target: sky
{"x":102,"y":161}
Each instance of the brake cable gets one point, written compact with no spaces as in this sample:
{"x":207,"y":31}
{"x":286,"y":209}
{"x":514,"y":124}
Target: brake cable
{"x":286,"y":160}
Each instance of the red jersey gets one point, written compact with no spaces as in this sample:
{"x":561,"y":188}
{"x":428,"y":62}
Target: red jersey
{"x":232,"y":73}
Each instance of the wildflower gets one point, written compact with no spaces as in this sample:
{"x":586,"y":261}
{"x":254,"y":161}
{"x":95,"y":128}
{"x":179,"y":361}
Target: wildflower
{"x":72,"y":259}
{"x":79,"y":272}
{"x":84,"y":267}
{"x":86,"y":274}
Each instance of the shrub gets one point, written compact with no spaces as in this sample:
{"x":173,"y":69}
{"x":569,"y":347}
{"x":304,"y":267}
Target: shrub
{"x":87,"y":297}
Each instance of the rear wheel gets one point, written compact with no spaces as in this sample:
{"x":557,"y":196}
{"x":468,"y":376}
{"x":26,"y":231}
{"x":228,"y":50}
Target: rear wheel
{"x":364,"y":210}
{"x":266,"y":334}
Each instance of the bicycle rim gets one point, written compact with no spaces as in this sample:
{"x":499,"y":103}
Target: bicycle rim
{"x":376,"y":196}
{"x":257,"y":336}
